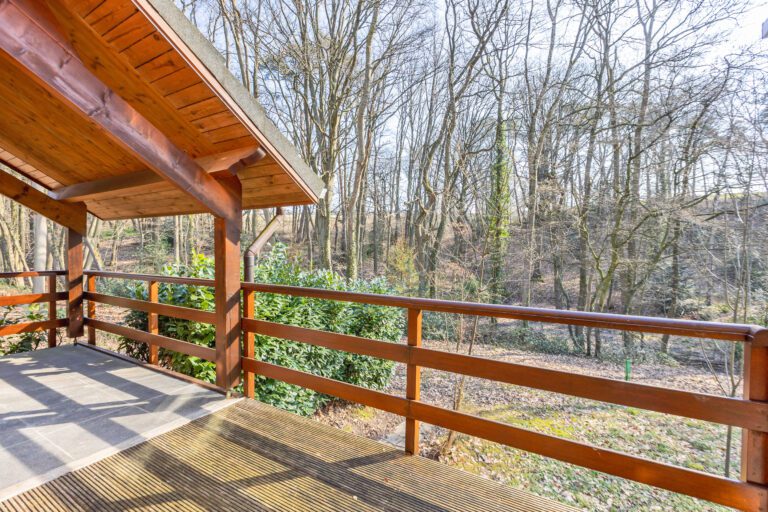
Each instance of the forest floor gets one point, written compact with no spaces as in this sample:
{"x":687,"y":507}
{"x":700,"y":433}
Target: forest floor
{"x":689,"y":443}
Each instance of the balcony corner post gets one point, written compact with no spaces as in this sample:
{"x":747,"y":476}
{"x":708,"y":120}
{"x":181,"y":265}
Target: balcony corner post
{"x":754,"y":457}
{"x":227,"y":275}
{"x":75,"y":260}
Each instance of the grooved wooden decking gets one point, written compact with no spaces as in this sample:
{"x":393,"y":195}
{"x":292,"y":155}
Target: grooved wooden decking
{"x":251,"y":456}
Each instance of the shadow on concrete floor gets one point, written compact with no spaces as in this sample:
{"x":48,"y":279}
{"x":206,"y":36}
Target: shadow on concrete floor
{"x":64,"y":408}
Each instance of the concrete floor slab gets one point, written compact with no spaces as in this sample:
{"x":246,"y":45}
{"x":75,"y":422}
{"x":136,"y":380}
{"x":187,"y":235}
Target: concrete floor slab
{"x":64,"y":408}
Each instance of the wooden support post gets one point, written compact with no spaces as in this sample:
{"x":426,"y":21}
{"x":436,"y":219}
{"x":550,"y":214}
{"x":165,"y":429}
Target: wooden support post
{"x":75,"y":283}
{"x":52,"y":309}
{"x":754,"y":446}
{"x":227,"y":276}
{"x":91,"y":310}
{"x":152,"y":321}
{"x":249,"y":350}
{"x":413,"y":382}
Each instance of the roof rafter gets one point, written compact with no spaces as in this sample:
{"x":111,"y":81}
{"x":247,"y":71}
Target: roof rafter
{"x":69,"y":215}
{"x":92,"y":189}
{"x":46,"y":54}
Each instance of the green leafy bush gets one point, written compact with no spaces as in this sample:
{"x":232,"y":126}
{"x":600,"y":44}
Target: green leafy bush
{"x":365,"y":320}
{"x":532,"y":340}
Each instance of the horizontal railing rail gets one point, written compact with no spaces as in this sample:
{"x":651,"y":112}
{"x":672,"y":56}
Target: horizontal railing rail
{"x":32,"y":273}
{"x":24,"y":327}
{"x":691,"y":328}
{"x":751,"y":415}
{"x":184,"y":347}
{"x":30,"y":298}
{"x":193,"y":315}
{"x":717,"y":409}
{"x":188,"y":281}
{"x":51,"y":297}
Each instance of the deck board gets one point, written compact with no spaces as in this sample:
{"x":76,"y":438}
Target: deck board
{"x":251,"y":456}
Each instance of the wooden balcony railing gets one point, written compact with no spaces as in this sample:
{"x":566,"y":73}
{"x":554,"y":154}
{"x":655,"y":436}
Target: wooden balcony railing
{"x":749,"y":413}
{"x":153,"y":309}
{"x":51,"y":297}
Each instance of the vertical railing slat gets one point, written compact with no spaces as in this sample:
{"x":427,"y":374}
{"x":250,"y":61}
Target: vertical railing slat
{"x":52,"y":309}
{"x":249,"y":350}
{"x":91,"y":283}
{"x":413,"y":381}
{"x":153,"y":324}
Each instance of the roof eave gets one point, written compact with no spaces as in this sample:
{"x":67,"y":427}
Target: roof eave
{"x":192,"y":45}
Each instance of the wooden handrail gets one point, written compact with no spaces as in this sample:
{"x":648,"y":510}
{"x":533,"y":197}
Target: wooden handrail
{"x":175,"y":345}
{"x":692,"y":328}
{"x":193,"y":315}
{"x":677,"y":327}
{"x":44,"y":325}
{"x":189,"y":281}
{"x":31,"y":298}
{"x":32,"y":273}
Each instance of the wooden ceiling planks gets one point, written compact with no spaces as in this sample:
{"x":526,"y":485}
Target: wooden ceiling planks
{"x":41,"y":138}
{"x":38,"y":129}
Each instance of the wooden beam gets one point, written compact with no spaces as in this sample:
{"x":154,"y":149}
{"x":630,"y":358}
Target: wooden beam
{"x":72,"y":216}
{"x":46,"y":55}
{"x":227,"y":273}
{"x":246,"y":162}
{"x":93,"y":189}
{"x":75,"y":283}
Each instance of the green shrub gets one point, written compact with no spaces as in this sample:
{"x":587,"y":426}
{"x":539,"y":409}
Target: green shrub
{"x":533,"y":340}
{"x":343,"y":317}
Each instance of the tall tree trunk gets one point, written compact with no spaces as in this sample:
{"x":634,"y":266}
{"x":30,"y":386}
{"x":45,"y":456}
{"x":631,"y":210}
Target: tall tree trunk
{"x":40,"y":258}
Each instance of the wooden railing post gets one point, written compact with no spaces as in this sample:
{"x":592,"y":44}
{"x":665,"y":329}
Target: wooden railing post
{"x":413,"y":382}
{"x":249,"y":350}
{"x":91,"y":282}
{"x":75,"y":282}
{"x":226,"y":246}
{"x":754,"y":446}
{"x":52,"y":309}
{"x":152,"y":321}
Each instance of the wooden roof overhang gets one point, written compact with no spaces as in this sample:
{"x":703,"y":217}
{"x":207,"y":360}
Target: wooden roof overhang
{"x":124,"y":106}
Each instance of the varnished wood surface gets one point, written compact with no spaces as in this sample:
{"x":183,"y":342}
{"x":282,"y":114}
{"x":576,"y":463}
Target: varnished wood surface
{"x":251,"y":456}
{"x":175,"y":345}
{"x":226,"y":246}
{"x":690,"y":328}
{"x":71,"y":216}
{"x":153,"y":307}
{"x":42,"y":137}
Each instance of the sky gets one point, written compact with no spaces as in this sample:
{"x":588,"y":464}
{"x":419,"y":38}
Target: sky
{"x":750,"y":25}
